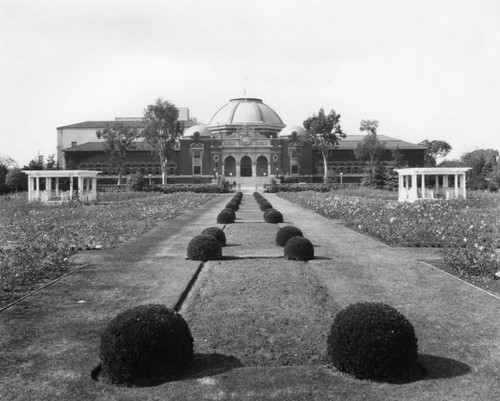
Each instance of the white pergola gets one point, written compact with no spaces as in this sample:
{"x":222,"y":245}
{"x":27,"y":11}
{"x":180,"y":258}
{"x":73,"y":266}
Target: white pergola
{"x":409,"y":178}
{"x":87,"y":185}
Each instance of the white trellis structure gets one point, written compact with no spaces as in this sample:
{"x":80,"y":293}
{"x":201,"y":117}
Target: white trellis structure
{"x":85,"y":190}
{"x":413,"y":183}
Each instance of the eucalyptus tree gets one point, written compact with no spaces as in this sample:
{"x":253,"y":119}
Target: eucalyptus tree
{"x":162,"y":131}
{"x":324,"y":133}
{"x":118,"y":139}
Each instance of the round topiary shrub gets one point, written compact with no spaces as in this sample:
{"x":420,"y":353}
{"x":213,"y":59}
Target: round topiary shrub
{"x":265,"y":205}
{"x":204,"y":247}
{"x":233,"y":206}
{"x":285,"y":233}
{"x":143,"y":345}
{"x":373,"y":341}
{"x":299,"y":248}
{"x":226,"y":216}
{"x":217,"y":233}
{"x":273,"y":216}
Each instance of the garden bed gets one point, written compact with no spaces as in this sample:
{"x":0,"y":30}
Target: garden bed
{"x":39,"y":240}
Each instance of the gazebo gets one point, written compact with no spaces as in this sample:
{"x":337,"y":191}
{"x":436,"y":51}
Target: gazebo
{"x":55,"y":180}
{"x":413,"y":183}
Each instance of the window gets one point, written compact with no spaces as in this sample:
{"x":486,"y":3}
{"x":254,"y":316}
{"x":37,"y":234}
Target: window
{"x":294,"y":165}
{"x":73,"y":143}
{"x":197,"y":163}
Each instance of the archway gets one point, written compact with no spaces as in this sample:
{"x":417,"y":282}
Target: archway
{"x":246,"y":166}
{"x":262,"y":166}
{"x":230,"y":166}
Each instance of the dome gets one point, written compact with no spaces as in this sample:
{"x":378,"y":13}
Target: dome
{"x":245,"y":111}
{"x":202,"y":129}
{"x":289,"y":130}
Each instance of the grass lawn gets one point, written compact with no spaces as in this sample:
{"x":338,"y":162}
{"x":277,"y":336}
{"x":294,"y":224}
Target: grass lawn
{"x":259,"y":322}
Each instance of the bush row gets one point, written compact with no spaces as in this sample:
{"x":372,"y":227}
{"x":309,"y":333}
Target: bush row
{"x":148,"y":344}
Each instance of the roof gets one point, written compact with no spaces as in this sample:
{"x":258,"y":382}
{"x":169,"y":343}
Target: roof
{"x":101,"y":147}
{"x":245,"y":111}
{"x":351,"y":141}
{"x":432,"y":170}
{"x":61,"y":173}
{"x":127,"y":123}
{"x":103,"y":124}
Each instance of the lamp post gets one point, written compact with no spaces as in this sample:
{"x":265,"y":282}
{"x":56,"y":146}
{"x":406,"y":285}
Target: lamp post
{"x":341,"y":178}
{"x":150,"y":179}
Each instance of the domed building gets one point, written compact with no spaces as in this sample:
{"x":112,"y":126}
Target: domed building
{"x":245,"y":141}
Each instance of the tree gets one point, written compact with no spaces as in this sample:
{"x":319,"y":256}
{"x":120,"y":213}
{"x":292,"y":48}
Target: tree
{"x":483,"y":163}
{"x":435,"y":149}
{"x":370,"y":148}
{"x":118,"y":139}
{"x":38,"y":163}
{"x":162,"y":131}
{"x":17,"y":180}
{"x":324,"y":133}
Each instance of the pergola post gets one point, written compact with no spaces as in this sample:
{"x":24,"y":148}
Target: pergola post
{"x":422,"y":185}
{"x":456,"y":185}
{"x":464,"y":192}
{"x":70,"y":187}
{"x":37,"y":190}
{"x":414,"y":187}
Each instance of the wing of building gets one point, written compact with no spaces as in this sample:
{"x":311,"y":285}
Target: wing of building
{"x":245,"y":141}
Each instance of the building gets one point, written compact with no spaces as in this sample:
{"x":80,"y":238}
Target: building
{"x":245,"y":141}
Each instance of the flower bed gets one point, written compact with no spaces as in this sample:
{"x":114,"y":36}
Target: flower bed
{"x":38,"y":240}
{"x":466,"y":230}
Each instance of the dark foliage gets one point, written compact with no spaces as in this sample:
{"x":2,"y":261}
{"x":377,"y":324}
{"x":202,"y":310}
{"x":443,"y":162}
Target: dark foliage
{"x":204,"y":247}
{"x":299,"y":248}
{"x":233,"y":206}
{"x":144,"y":344}
{"x":137,"y":182}
{"x":273,"y":216}
{"x":226,"y":216}
{"x":217,"y":233}
{"x":373,"y":341}
{"x":285,"y":233}
{"x":264,"y":205}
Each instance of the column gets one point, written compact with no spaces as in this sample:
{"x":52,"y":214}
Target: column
{"x":422,"y":184}
{"x":254,"y":169}
{"x":401,"y":186}
{"x":437,"y":182}
{"x":414,"y":187}
{"x":37,"y":190}
{"x":94,"y":188}
{"x":70,"y":187}
{"x":80,"y":188}
{"x":463,"y":186}
{"x":57,"y":185}
{"x":238,"y":168}
{"x":31,"y":182}
{"x":456,"y":185}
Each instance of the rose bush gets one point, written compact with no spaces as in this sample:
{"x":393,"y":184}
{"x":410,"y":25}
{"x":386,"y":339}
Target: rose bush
{"x":37,"y":240}
{"x":466,"y":230}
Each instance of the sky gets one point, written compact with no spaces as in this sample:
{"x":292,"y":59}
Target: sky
{"x":425,"y":69}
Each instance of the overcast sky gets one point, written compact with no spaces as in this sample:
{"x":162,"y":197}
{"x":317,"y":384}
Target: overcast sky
{"x":426,"y":69}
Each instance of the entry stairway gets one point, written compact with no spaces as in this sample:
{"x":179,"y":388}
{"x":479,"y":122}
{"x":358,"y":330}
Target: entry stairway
{"x":250,"y":184}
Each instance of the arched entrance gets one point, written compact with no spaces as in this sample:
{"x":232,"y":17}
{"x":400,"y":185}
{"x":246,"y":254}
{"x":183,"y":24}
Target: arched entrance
{"x":246,"y":166}
{"x":262,"y":166}
{"x":230,"y":166}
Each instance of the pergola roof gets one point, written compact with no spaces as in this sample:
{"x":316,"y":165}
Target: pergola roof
{"x":432,"y":170}
{"x":61,"y":173}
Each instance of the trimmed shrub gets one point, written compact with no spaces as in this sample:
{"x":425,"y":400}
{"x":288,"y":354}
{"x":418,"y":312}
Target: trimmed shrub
{"x":226,"y":216}
{"x":265,"y":205}
{"x":229,"y":211}
{"x":285,"y":233}
{"x":204,"y":247}
{"x":273,"y":216}
{"x":373,"y":341}
{"x":143,"y":345}
{"x":299,"y":248}
{"x":217,"y":233}
{"x":233,"y":206}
